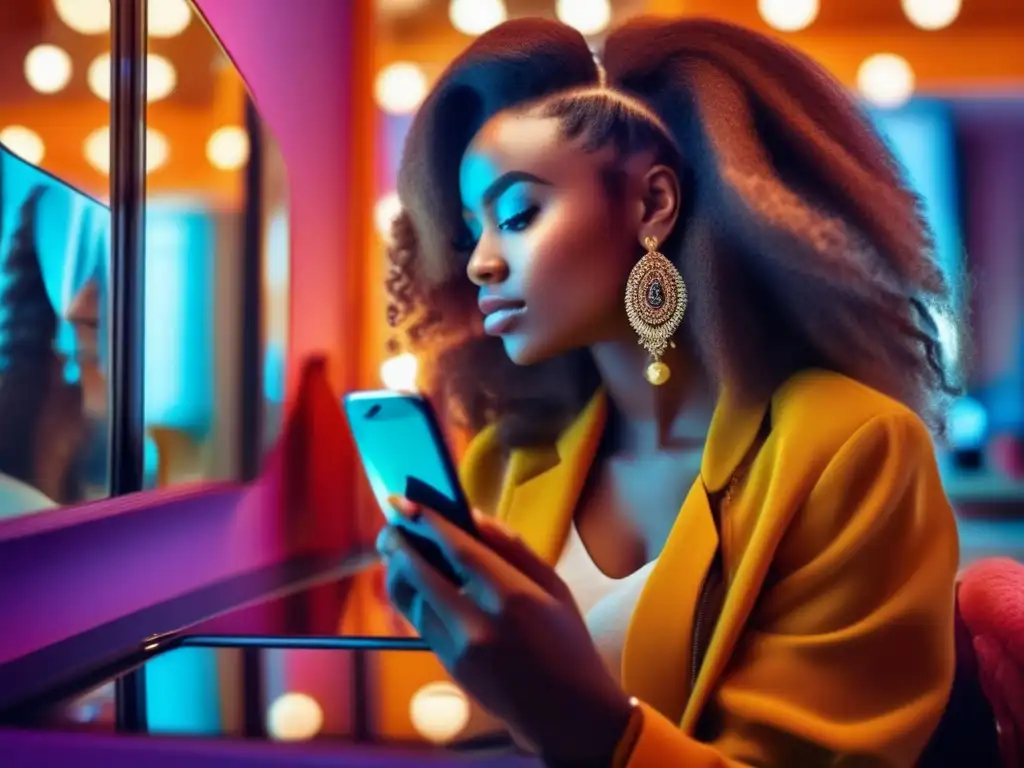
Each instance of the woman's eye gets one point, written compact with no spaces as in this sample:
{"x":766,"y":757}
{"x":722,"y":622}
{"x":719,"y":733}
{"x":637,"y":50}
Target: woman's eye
{"x":464,"y":242}
{"x":520,"y":221}
{"x":464,"y":245}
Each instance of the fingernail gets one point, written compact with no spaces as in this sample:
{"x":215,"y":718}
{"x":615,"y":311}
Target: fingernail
{"x":404,"y":507}
{"x":387,"y":541}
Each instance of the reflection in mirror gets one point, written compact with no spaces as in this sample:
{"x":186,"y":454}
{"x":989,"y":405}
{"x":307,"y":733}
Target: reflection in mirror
{"x":54,"y":260}
{"x":54,"y":257}
{"x":198,"y":248}
{"x":274,"y":270}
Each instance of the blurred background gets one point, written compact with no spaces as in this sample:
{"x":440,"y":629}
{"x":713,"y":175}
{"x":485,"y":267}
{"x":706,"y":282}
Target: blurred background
{"x":944,"y":82}
{"x":943,"y":79}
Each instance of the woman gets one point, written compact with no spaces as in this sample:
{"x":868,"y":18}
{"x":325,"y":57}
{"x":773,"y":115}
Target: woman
{"x":41,"y":419}
{"x":726,"y":544}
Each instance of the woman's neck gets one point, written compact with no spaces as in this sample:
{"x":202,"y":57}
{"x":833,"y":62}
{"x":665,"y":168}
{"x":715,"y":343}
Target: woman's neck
{"x":646,"y":418}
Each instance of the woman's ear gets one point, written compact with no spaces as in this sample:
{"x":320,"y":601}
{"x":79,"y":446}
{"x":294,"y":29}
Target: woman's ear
{"x":660,"y":198}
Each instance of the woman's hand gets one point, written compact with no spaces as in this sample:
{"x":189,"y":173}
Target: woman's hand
{"x":512,"y":636}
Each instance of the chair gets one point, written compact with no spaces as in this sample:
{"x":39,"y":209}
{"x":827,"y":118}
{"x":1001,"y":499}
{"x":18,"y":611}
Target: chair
{"x":990,"y":599}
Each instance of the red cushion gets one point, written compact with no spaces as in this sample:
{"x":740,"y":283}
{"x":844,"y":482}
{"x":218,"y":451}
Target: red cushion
{"x":991,"y":597}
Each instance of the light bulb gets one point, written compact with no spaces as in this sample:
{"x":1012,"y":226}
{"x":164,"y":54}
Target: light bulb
{"x":400,"y":87}
{"x":932,"y":14}
{"x":589,"y":17}
{"x":158,"y":150}
{"x":97,"y":75}
{"x":87,"y":17}
{"x":399,"y":372}
{"x":47,"y":68}
{"x":96,"y":149}
{"x":439,"y":712}
{"x":228,"y":148}
{"x":294,"y":717}
{"x":789,"y":15}
{"x":886,"y":80}
{"x":168,"y":18}
{"x":161,"y":77}
{"x":24,"y":142}
{"x":474,"y":17}
{"x":385,"y":212}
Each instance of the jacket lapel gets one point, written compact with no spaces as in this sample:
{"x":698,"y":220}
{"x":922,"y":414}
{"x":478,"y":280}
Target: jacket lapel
{"x":658,"y":655}
{"x":540,"y":495}
{"x":743,"y":590}
{"x":545,"y":483}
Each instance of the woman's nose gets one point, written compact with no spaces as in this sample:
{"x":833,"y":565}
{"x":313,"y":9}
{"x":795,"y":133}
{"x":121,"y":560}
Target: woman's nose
{"x":487,"y":267}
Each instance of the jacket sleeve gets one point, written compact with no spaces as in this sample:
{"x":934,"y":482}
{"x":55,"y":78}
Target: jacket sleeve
{"x":848,"y":658}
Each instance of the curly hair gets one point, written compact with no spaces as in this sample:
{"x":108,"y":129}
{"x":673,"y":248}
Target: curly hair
{"x":800,"y":243}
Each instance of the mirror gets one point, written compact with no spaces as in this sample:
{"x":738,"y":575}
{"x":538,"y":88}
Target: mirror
{"x":216,"y":261}
{"x":54,"y":263}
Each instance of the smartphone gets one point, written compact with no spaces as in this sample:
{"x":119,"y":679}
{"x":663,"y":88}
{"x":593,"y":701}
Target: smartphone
{"x":403,"y":453}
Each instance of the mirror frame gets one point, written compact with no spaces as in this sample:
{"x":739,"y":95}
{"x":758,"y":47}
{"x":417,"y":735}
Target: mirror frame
{"x":129,"y":39}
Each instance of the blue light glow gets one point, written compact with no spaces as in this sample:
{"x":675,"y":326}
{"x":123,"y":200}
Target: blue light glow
{"x":180,"y":253}
{"x":921,"y":137}
{"x":182,"y":693}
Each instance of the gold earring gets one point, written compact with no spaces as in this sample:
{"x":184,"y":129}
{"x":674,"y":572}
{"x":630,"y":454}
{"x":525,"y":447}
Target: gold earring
{"x":655,"y":304}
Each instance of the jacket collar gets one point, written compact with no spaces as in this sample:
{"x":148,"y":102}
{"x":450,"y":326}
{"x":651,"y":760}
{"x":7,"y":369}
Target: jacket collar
{"x":544,"y":483}
{"x":734,"y":428}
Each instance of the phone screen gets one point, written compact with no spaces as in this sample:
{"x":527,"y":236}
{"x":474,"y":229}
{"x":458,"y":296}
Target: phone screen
{"x":403,"y":453}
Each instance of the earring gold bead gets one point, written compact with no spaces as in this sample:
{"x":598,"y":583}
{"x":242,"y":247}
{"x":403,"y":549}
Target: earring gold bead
{"x":655,"y":304}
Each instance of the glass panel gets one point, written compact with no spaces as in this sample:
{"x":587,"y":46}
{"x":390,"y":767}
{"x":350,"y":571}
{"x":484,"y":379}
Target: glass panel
{"x":383,"y":697}
{"x":200,"y":239}
{"x":54,"y":264}
{"x":275,"y":269}
{"x":292,"y":664}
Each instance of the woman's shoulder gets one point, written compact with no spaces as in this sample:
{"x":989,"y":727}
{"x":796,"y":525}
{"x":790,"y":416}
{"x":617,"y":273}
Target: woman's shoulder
{"x":854,"y":462}
{"x":828,"y":409}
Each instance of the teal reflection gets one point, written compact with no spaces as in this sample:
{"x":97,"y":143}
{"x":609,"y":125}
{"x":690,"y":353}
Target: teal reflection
{"x":179,"y":299}
{"x":183,"y":693}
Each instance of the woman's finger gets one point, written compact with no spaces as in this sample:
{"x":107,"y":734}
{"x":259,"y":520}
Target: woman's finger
{"x":412,"y":580}
{"x":511,"y":547}
{"x":495,"y":562}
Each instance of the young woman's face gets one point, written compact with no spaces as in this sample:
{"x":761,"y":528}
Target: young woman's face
{"x":552,"y":248}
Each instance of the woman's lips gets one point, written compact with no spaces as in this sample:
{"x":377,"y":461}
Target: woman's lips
{"x":500,"y":314}
{"x":504,"y":320}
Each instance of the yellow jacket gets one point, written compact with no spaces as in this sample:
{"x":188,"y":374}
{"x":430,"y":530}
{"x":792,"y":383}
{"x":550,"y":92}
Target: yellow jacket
{"x":834,"y":645}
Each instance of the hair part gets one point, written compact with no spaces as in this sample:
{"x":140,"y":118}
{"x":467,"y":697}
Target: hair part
{"x":800,"y":242}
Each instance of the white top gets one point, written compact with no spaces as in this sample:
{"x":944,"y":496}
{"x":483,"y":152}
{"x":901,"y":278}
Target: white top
{"x":18,"y":498}
{"x":607,"y":604}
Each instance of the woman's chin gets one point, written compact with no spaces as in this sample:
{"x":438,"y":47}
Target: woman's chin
{"x":521,"y":351}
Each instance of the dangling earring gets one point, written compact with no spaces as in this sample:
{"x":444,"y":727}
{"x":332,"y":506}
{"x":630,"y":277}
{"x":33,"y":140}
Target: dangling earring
{"x":655,"y":304}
